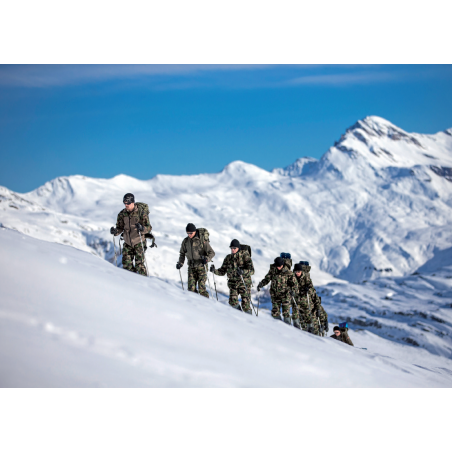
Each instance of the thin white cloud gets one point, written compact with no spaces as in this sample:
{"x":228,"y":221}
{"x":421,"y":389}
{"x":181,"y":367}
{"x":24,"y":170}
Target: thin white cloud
{"x":61,"y":75}
{"x":186,"y":76}
{"x":351,"y":78}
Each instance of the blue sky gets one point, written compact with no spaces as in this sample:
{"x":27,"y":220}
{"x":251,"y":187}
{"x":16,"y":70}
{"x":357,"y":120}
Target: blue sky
{"x":101,"y":121}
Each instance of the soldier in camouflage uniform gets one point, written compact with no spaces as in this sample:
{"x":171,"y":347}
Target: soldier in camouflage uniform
{"x":341,"y":334}
{"x":309,"y":295}
{"x":283,"y":282}
{"x":198,"y":252}
{"x":236,"y":266}
{"x":302,"y":299}
{"x":132,"y":222}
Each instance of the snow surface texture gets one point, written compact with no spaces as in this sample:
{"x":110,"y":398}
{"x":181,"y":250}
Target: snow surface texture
{"x":70,"y":319}
{"x":373,"y":216}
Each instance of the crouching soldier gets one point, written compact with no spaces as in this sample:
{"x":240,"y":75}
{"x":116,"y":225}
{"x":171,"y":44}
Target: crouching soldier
{"x":340,"y":334}
{"x":303,"y":308}
{"x":238,"y":267}
{"x":133,"y":223}
{"x":197,"y":249}
{"x":283,"y":282}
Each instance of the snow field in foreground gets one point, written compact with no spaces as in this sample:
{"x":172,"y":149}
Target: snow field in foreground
{"x":71,"y":319}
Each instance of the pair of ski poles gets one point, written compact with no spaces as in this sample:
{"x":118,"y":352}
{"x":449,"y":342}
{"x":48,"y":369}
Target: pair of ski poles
{"x":216,"y":292}
{"x":208,"y":280}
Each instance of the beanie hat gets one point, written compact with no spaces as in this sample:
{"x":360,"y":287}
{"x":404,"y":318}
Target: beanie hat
{"x":336,"y":328}
{"x":279,"y":261}
{"x":234,"y":244}
{"x":298,"y":268}
{"x":190,"y":227}
{"x":128,"y":198}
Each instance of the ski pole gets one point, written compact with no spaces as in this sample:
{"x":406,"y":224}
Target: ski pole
{"x":309,"y":307}
{"x":257,"y":303}
{"x":215,"y":284}
{"x":114,"y":245}
{"x":181,"y":280}
{"x":144,"y":255}
{"x":208,"y":280}
{"x":295,"y":303}
{"x":251,"y":302}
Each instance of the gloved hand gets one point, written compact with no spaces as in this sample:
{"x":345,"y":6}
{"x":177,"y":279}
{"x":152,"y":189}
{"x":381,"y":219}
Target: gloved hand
{"x":204,"y":260}
{"x":259,"y":287}
{"x":178,"y":265}
{"x":139,"y":227}
{"x":240,"y":271}
{"x":113,"y":231}
{"x":212,"y":268}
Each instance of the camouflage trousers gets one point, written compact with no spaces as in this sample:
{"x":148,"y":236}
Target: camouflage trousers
{"x":281,"y":302}
{"x":303,"y":313}
{"x":198,"y":275}
{"x":315,"y":323}
{"x":131,"y":252}
{"x":237,"y":288}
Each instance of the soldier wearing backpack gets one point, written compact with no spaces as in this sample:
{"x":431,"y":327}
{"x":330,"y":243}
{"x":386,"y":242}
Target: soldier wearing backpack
{"x":132,"y":221}
{"x":283,"y":282}
{"x":302,"y":300}
{"x":341,"y":334}
{"x":197,"y":249}
{"x":309,"y":295}
{"x":239,"y":267}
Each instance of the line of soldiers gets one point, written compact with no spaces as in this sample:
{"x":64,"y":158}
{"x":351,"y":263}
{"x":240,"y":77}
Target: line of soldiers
{"x":288,"y":289}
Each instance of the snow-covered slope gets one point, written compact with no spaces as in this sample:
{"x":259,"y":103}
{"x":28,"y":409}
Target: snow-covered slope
{"x":68,"y":318}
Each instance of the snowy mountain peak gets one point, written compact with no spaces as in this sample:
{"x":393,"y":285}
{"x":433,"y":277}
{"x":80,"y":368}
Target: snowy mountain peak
{"x":300,"y":167}
{"x":373,"y":127}
{"x":376,"y":142}
{"x":239,"y":169}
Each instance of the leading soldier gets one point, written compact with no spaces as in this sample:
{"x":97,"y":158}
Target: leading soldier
{"x":239,"y":267}
{"x":133,"y":223}
{"x":198,"y":251}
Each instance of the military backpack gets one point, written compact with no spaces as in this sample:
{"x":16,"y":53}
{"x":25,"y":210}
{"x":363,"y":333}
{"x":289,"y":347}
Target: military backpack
{"x":203,"y":235}
{"x":143,"y":209}
{"x":245,"y":248}
{"x":286,"y":257}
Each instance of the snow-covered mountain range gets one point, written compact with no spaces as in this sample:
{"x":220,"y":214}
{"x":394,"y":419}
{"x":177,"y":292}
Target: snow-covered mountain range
{"x":375,"y":210}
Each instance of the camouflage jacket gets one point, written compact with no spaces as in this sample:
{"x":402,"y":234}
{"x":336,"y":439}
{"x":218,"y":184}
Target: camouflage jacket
{"x":343,"y":337}
{"x":194,"y":250}
{"x":323,"y":315}
{"x":241,"y":259}
{"x":126,"y":223}
{"x":282,"y":281}
{"x":306,"y":290}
